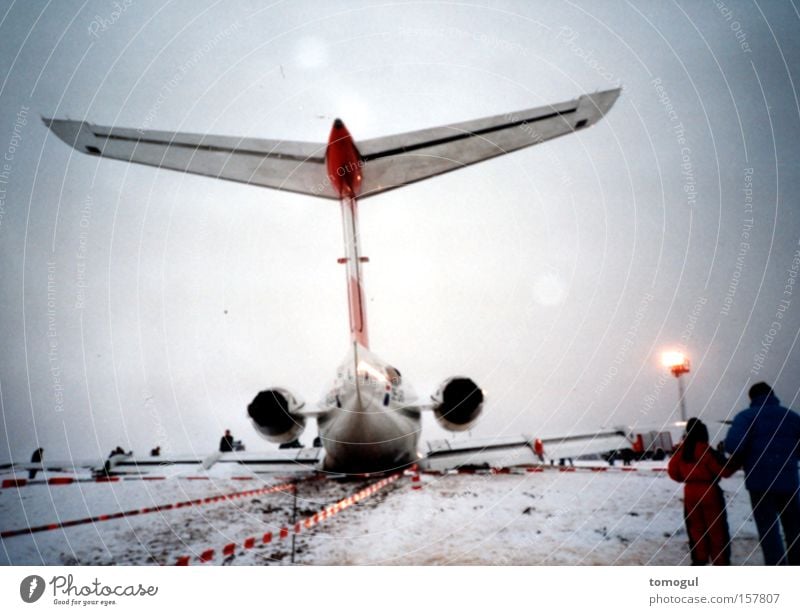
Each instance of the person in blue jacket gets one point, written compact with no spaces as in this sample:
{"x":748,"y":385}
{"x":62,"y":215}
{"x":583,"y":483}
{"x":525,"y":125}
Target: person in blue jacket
{"x":765,"y":438}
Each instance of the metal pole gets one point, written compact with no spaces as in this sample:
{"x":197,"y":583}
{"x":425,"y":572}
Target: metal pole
{"x":682,"y":396}
{"x":294,"y":515}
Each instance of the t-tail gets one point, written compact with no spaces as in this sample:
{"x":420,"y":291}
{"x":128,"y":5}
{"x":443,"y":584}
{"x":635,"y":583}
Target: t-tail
{"x":338,"y":170}
{"x":344,"y":165}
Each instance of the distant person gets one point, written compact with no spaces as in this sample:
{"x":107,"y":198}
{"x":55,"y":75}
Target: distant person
{"x":226,"y":442}
{"x":110,"y":462}
{"x":627,"y":456}
{"x":156,"y":452}
{"x":766,"y":438}
{"x":37,"y":457}
{"x":700,"y":467}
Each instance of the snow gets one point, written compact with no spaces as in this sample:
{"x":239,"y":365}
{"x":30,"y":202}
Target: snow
{"x":530,"y":518}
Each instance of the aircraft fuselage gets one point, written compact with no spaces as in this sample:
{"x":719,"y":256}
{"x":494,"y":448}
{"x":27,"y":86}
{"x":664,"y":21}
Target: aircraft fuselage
{"x":368,"y":423}
{"x":371,"y":422}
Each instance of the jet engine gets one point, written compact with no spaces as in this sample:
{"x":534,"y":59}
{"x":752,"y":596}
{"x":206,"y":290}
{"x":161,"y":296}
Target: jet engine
{"x":458,"y":403}
{"x":275,"y":415}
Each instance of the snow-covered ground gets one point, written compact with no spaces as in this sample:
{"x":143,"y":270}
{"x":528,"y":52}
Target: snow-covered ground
{"x":549,"y":517}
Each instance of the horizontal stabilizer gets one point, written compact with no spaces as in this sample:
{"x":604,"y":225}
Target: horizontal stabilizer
{"x":388,"y":162}
{"x":402,"y":159}
{"x":283,"y":165}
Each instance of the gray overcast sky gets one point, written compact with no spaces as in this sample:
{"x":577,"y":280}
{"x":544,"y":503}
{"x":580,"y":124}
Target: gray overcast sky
{"x":142,"y":306}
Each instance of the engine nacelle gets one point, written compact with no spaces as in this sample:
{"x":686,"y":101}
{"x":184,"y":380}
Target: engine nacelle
{"x":458,"y":403}
{"x":275,"y":416}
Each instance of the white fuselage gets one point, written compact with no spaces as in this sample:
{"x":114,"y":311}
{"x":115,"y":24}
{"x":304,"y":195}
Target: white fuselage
{"x":369,"y":420}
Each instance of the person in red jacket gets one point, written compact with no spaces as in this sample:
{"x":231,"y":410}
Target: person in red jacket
{"x":700,"y":467}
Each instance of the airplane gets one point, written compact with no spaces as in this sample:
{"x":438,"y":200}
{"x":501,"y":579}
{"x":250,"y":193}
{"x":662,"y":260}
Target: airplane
{"x":370,"y":419}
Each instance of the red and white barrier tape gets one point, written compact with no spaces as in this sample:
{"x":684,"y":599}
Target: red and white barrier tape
{"x":144,"y":511}
{"x":10,"y":483}
{"x":592,"y":469}
{"x":253,"y":541}
{"x":523,"y":469}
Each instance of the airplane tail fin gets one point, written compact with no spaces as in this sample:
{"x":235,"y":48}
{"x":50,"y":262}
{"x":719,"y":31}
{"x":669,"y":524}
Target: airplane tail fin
{"x":386,"y":162}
